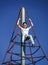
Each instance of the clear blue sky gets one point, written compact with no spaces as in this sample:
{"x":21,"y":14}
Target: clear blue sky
{"x":37,"y":10}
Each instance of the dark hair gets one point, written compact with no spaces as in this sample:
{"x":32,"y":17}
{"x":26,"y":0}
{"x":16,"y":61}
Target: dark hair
{"x":24,"y":23}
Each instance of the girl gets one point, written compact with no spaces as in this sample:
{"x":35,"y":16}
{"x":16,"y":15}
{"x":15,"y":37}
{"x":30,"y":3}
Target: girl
{"x":25,"y":30}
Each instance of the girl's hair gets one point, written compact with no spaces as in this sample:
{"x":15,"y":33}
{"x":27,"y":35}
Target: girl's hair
{"x":24,"y":23}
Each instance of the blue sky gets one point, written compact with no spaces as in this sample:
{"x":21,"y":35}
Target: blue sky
{"x":37,"y":10}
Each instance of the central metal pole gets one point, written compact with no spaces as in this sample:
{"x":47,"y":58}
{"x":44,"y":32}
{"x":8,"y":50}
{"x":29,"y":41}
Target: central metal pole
{"x":23,"y":44}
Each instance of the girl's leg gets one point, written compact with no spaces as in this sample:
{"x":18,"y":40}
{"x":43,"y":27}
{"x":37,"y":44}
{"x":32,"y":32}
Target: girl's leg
{"x":31,"y":38}
{"x":23,"y":42}
{"x":23,"y":38}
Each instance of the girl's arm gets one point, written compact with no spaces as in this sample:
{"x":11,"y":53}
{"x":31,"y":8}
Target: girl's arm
{"x":31,"y":23}
{"x":18,"y":23}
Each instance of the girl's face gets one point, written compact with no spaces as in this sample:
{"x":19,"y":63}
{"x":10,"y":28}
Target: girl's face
{"x":24,"y":25}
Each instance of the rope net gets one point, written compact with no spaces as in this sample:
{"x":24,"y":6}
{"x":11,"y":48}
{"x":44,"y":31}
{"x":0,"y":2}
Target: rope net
{"x":33,"y":53}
